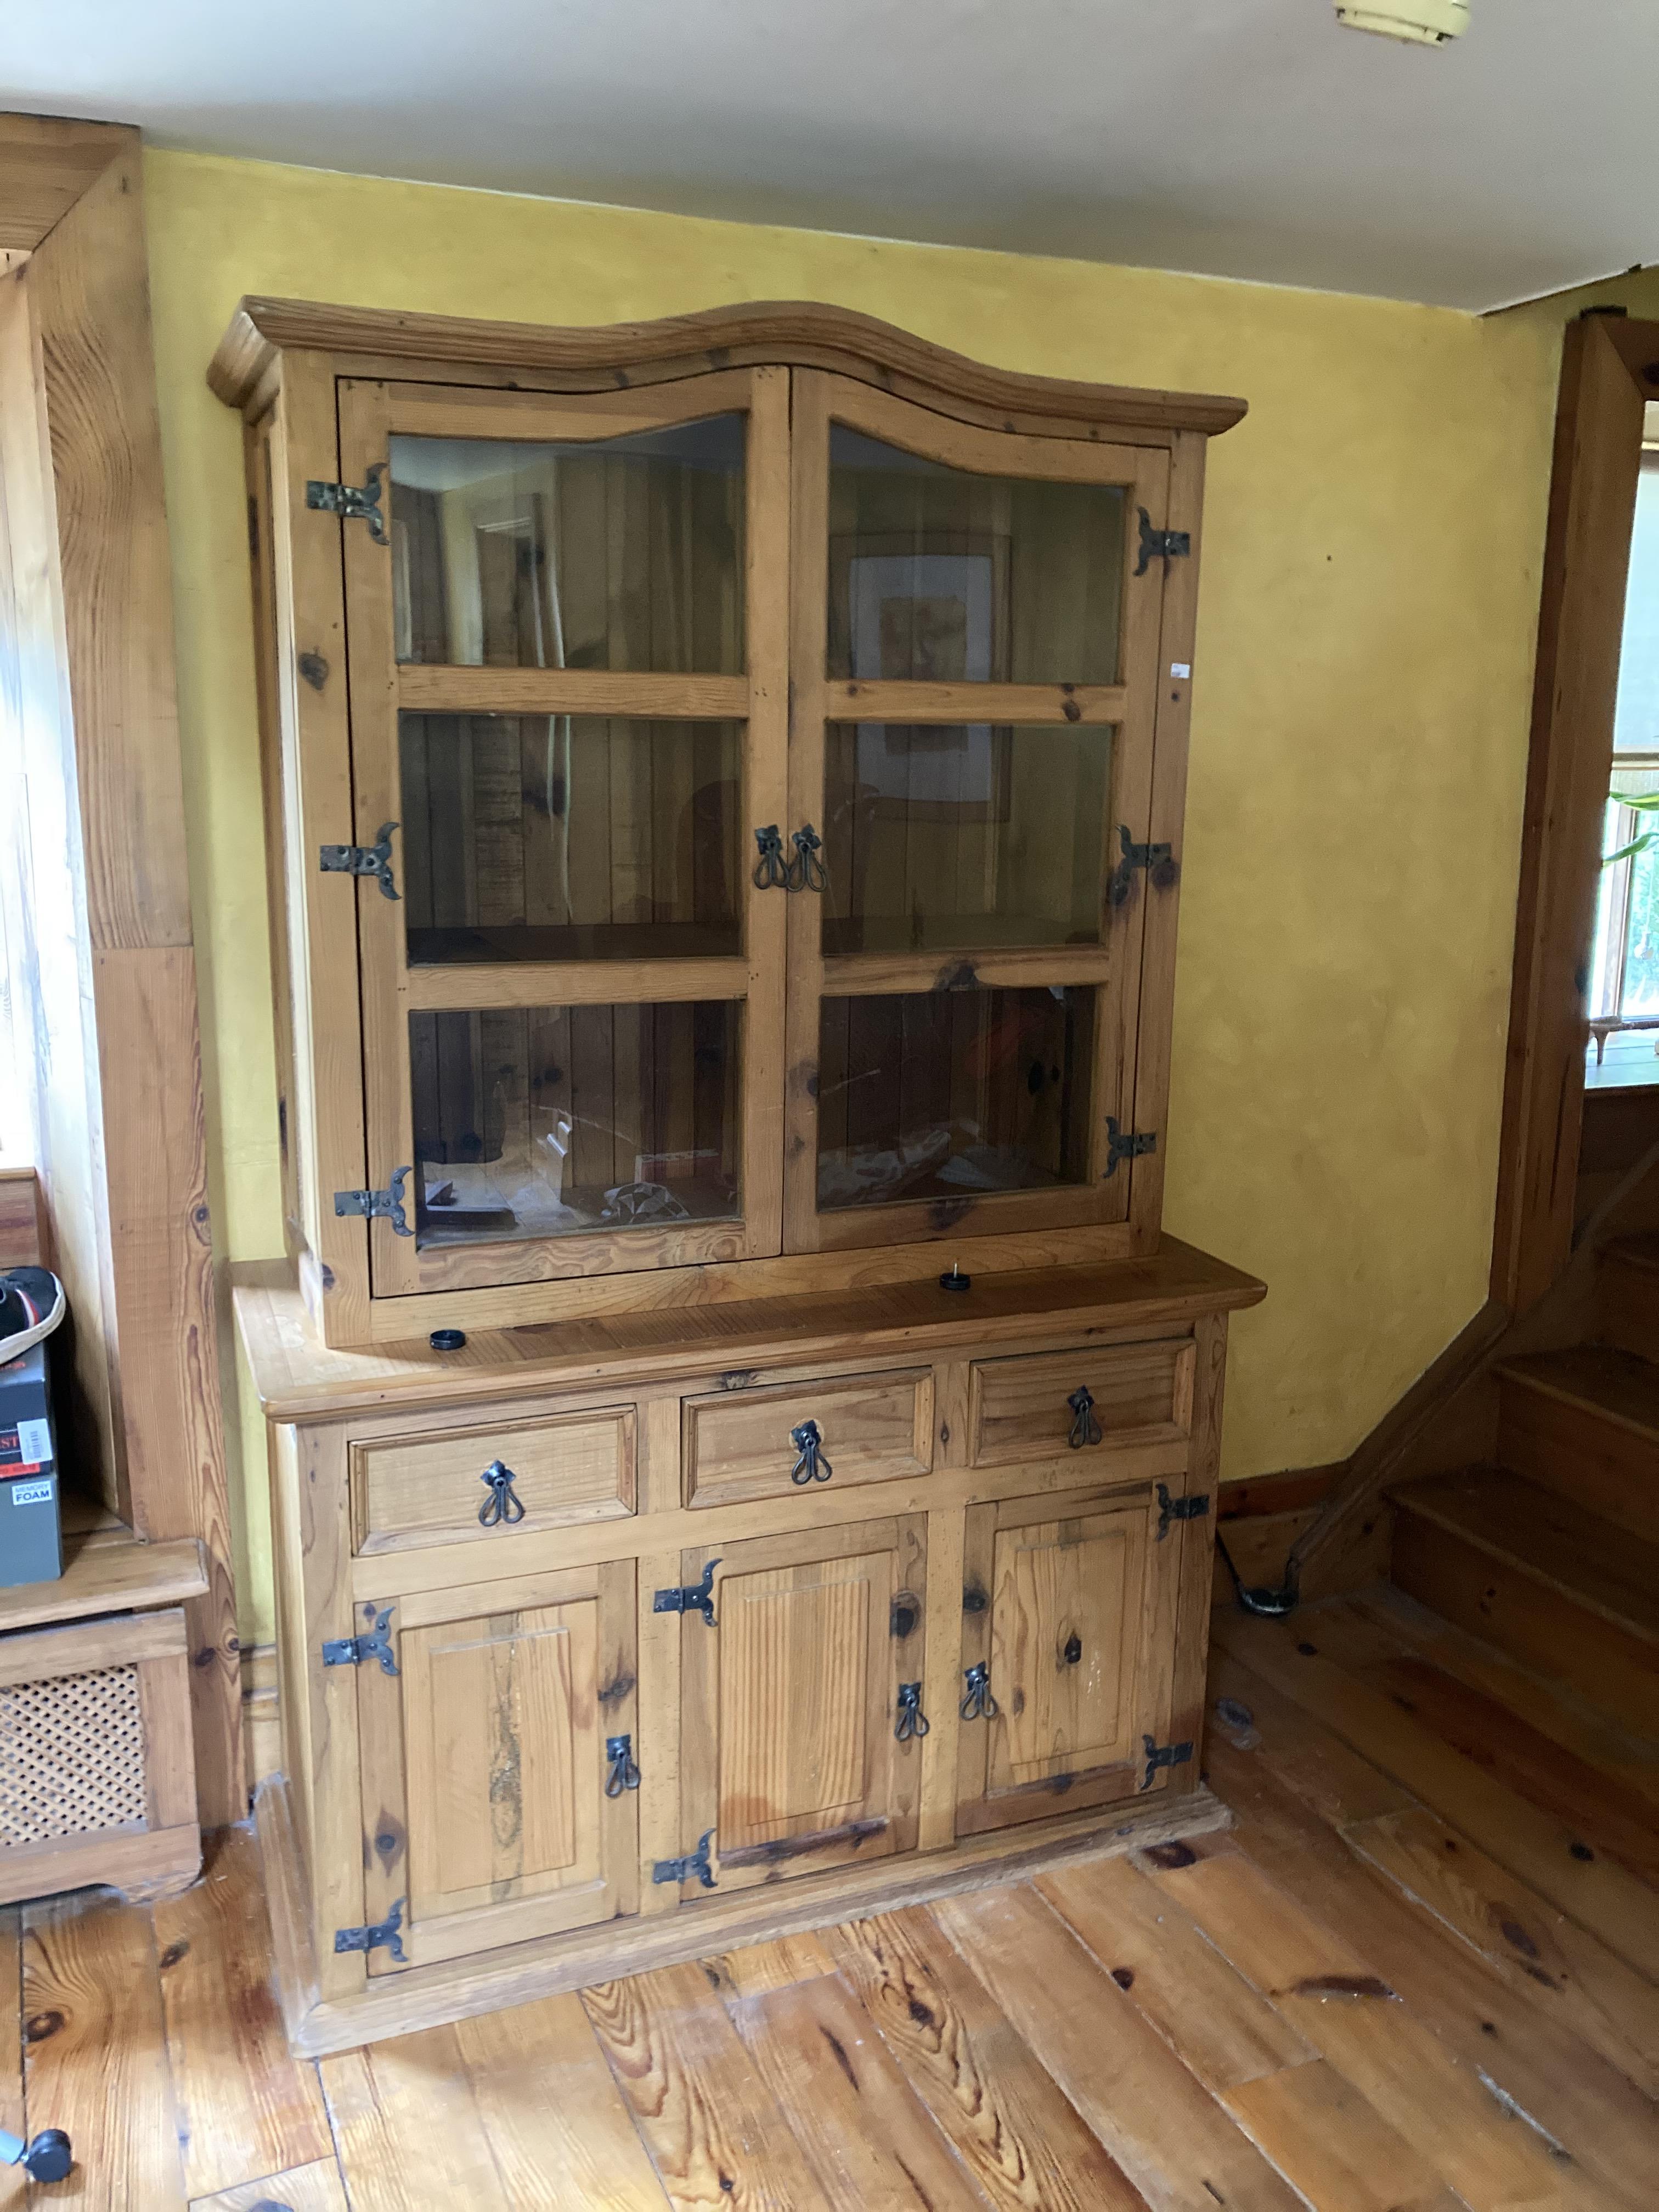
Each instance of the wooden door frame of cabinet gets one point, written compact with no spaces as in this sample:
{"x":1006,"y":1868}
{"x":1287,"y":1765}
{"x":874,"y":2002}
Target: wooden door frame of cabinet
{"x":1112,"y":968}
{"x":279,"y":364}
{"x":370,"y":414}
{"x":98,"y":705}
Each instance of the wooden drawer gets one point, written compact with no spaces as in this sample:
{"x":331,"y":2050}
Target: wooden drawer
{"x":875,"y":1428}
{"x":1019,"y":1408}
{"x":565,"y":1467}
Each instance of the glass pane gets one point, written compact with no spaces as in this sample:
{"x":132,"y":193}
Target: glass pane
{"x":949,"y":1094}
{"x":1641,"y":998}
{"x":963,"y":835}
{"x":549,"y":1120}
{"x":627,"y":553}
{"x":568,"y":837}
{"x":1606,"y":956}
{"x":1635,"y":719}
{"x":938,"y":575}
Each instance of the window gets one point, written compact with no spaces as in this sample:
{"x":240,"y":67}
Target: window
{"x":1624,"y":990}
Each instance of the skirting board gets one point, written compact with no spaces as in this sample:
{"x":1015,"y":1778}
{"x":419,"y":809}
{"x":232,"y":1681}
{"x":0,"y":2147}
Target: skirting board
{"x":431,"y":1997}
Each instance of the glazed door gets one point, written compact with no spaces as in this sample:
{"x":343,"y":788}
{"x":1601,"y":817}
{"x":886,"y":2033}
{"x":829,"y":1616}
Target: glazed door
{"x":976,"y":658}
{"x":1068,"y":1633}
{"x":496,"y":1803}
{"x":800,"y":1740}
{"x":568,"y":644}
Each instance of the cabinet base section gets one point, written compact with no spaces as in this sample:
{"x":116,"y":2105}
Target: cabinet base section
{"x":431,"y":1997}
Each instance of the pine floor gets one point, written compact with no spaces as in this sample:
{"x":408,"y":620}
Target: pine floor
{"x":1418,"y":1974}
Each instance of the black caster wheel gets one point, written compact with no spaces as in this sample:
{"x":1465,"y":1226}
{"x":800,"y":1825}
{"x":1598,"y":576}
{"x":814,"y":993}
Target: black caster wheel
{"x":49,"y":2157}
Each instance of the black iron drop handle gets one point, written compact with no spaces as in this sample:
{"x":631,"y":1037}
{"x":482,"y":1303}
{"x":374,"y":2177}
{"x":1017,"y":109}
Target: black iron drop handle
{"x":771,"y":870}
{"x":812,"y":1466}
{"x":625,"y":1771}
{"x":912,"y":1721}
{"x":979,"y":1704}
{"x":806,"y":872}
{"x":503,"y":1503}
{"x":1085,"y":1430}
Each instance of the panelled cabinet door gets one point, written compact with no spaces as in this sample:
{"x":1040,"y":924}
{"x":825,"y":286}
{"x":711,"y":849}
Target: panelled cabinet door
{"x":568,"y":660}
{"x":484,"y":1763}
{"x":797,"y":1751}
{"x":974,"y":677}
{"x":1068,"y":1634}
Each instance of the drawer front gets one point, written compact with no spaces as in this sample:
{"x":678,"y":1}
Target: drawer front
{"x":571,"y":1466}
{"x":1030,"y":1406}
{"x":872,"y":1428}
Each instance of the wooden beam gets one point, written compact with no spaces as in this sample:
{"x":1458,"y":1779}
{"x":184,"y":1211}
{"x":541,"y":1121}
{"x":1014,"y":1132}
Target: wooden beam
{"x":46,"y":163}
{"x":1598,"y":438}
{"x":110,"y":982}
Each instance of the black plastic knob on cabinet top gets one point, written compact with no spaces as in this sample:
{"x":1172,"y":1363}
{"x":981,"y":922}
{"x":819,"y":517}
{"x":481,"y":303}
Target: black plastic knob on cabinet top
{"x":447,"y":1339}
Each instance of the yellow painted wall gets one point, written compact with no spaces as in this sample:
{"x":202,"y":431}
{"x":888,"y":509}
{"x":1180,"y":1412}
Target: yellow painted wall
{"x":1373,"y":537}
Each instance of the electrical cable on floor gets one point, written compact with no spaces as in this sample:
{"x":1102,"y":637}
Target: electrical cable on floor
{"x":1271,"y":1602}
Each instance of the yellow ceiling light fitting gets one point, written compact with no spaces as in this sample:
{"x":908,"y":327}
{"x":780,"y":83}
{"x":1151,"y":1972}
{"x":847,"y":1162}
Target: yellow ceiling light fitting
{"x":1422,"y":22}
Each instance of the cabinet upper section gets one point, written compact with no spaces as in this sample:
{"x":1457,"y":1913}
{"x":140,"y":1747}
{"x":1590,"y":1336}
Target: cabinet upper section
{"x":728,"y":775}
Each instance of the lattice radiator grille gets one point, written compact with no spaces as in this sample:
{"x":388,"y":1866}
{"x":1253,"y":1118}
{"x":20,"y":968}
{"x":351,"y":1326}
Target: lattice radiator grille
{"x":71,"y":1755}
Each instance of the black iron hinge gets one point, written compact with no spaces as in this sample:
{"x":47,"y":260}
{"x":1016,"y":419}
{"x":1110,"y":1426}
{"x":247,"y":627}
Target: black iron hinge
{"x":374,"y":859}
{"x":1162,"y":1754}
{"x":1159,"y":861}
{"x":1126,"y":1145}
{"x":379,"y":1935}
{"x":1161,"y":544}
{"x":1179,"y":1509}
{"x":691,"y":1597}
{"x":355,"y":502}
{"x":378,"y":1205}
{"x":695,"y":1863}
{"x":374,"y":1643}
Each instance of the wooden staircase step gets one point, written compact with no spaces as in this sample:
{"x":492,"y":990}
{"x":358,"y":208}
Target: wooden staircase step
{"x":1558,"y":1587}
{"x":1584,"y":1423}
{"x":1627,"y":1296}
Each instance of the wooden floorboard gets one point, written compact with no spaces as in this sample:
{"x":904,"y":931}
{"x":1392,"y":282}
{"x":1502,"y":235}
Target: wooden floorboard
{"x":315,"y":2188}
{"x":1013,"y":2129}
{"x":11,"y":2045}
{"x":1574,"y":2098}
{"x":712,"y":2127}
{"x":95,"y":2053}
{"x":245,"y":2107}
{"x":867,"y":2136}
{"x":1393,"y":1986}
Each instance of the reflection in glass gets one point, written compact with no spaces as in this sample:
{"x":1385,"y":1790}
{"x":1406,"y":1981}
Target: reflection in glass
{"x":568,"y":837}
{"x":950,"y":1094}
{"x":551,"y":1121}
{"x":955,"y":834}
{"x":937,"y":575}
{"x":626,"y":553}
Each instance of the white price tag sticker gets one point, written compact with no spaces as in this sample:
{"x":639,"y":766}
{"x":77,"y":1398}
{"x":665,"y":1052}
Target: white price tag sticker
{"x":33,"y":1443}
{"x":1181,"y":668}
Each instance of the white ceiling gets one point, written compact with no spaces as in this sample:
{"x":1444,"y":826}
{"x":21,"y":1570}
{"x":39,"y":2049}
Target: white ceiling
{"x":1248,"y":138}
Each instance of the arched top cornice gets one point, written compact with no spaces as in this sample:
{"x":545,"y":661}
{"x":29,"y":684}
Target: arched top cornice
{"x":791,"y":333}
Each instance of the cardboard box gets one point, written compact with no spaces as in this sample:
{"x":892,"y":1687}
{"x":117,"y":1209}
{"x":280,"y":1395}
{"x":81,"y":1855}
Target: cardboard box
{"x":31,"y":1529}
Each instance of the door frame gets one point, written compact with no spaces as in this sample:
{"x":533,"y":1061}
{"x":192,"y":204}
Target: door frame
{"x":1609,"y":370}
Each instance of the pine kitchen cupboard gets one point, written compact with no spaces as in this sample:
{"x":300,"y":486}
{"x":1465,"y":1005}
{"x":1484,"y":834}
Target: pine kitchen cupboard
{"x":723,"y":783}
